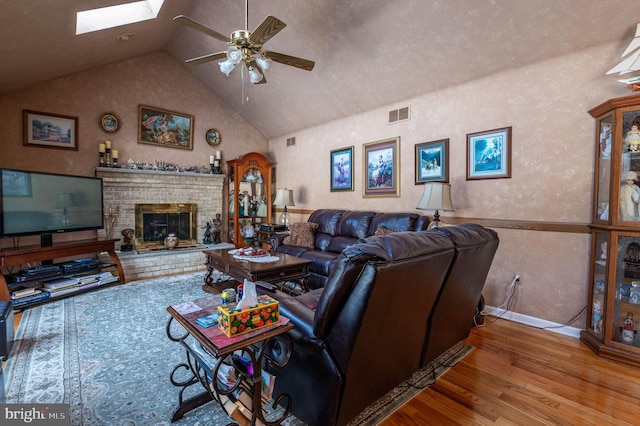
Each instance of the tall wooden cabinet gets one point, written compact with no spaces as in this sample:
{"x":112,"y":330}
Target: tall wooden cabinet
{"x":613,"y":320}
{"x":250,"y":201}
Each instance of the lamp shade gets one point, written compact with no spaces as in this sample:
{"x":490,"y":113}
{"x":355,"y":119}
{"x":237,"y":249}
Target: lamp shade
{"x":284,"y":197}
{"x":436,"y":196}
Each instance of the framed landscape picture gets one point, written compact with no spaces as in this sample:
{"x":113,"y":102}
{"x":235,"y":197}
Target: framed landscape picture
{"x":432,"y":161}
{"x":489,"y":154}
{"x":381,"y":163}
{"x":50,"y":130}
{"x":165,"y":128}
{"x":341,"y":169}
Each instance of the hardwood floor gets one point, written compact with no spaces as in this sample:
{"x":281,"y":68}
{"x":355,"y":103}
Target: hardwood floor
{"x":520,"y":375}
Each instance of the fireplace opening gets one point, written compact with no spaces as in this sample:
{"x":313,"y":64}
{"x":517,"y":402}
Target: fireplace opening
{"x":154,"y":222}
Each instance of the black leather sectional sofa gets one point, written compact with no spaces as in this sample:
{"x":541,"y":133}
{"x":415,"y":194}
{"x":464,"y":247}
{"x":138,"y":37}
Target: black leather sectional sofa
{"x":390,"y":305}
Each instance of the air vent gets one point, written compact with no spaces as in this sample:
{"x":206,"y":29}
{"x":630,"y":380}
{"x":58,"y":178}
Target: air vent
{"x":291,"y":141}
{"x":401,"y":114}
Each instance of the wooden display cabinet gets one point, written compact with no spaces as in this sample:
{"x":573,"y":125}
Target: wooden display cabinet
{"x":250,"y":202}
{"x":613,"y":314}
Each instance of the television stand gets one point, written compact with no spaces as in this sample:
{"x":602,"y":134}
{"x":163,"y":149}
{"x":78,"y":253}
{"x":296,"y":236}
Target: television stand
{"x":56,"y":251}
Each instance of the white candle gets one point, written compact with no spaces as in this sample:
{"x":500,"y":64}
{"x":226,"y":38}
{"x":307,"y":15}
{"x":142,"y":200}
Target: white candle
{"x":114,"y":154}
{"x":101,"y":148}
{"x":211,"y":159}
{"x":107,"y":144}
{"x":216,"y":163}
{"x":218,"y":155}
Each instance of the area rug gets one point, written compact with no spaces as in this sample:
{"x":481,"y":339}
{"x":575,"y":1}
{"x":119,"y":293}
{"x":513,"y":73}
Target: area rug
{"x":106,"y":354}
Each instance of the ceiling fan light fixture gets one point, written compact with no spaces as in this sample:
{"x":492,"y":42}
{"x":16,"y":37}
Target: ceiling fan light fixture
{"x":255,"y":76}
{"x":264,"y":63}
{"x":226,"y":66}
{"x":234,"y":54}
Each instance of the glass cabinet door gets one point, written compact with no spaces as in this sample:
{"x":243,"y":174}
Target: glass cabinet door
{"x":603,"y":169}
{"x":626,"y":306}
{"x":629,"y":189}
{"x":601,"y":245}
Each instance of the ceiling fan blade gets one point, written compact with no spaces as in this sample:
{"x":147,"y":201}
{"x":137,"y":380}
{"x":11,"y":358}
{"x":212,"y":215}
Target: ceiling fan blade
{"x":293,"y":61}
{"x":267,"y":29}
{"x":200,"y":27}
{"x":206,"y":58}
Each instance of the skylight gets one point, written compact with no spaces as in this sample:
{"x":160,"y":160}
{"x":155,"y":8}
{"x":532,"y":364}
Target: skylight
{"x":115,"y":16}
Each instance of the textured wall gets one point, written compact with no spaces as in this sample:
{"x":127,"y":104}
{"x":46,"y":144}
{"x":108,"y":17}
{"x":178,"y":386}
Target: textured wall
{"x":155,"y":80}
{"x":553,"y":142}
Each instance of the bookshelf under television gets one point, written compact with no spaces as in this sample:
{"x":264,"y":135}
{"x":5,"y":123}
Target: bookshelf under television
{"x":63,"y":250}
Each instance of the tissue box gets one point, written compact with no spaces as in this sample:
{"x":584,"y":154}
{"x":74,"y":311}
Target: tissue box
{"x":234,"y":322}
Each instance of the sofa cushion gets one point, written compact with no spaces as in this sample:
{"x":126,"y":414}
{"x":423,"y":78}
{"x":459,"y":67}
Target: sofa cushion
{"x":340,"y":242}
{"x":302,"y":235}
{"x":355,"y":224}
{"x":327,"y":220}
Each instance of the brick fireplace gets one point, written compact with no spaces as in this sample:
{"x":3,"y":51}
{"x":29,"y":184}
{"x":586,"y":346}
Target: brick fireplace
{"x":124,"y":188}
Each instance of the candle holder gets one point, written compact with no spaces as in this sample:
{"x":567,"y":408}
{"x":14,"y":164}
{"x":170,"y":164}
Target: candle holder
{"x":211,"y":169}
{"x":107,"y":155}
{"x":101,"y":159}
{"x":115,"y":162}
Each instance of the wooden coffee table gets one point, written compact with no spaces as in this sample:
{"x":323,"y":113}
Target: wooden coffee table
{"x":286,"y":268}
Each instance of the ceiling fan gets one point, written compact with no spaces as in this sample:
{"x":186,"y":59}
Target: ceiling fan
{"x":247,"y":47}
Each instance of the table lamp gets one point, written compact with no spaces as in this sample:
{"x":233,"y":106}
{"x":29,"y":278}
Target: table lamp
{"x":436,"y":196}
{"x":284,"y":197}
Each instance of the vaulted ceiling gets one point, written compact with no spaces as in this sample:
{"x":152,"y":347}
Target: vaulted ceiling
{"x":368,"y":53}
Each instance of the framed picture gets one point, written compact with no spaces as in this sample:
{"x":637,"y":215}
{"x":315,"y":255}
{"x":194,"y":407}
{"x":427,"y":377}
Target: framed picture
{"x":109,"y":122}
{"x":341,"y":169}
{"x":432,"y":161}
{"x":489,"y":154}
{"x":16,"y":184}
{"x":165,"y":128}
{"x":381,"y":163}
{"x":50,"y":130}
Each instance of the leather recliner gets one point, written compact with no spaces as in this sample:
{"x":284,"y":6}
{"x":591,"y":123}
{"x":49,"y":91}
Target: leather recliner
{"x":363,"y":333}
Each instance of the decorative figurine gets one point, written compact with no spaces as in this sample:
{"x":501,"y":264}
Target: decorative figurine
{"x":605,"y":141}
{"x":629,"y":197}
{"x":206,"y":239}
{"x":127,"y":239}
{"x":627,"y":329}
{"x":262,"y":208}
{"x":246,"y":204}
{"x":597,"y":316}
{"x":632,"y":140}
{"x":254,"y":205}
{"x":217,"y":225}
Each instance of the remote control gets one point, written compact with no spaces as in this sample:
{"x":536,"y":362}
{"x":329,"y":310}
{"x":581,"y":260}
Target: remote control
{"x":266,"y":285}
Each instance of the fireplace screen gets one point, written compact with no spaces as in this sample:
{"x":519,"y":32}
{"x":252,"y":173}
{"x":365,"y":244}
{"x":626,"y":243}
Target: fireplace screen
{"x":154,"y":222}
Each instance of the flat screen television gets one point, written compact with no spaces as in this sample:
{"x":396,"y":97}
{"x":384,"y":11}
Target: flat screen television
{"x":33,"y":203}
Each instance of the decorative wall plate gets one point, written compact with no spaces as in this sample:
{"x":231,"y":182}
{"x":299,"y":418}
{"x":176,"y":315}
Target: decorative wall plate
{"x":213,"y":137}
{"x":109,"y":122}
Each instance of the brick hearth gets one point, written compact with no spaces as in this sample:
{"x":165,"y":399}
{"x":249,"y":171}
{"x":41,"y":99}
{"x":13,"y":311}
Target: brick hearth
{"x":123,"y":188}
